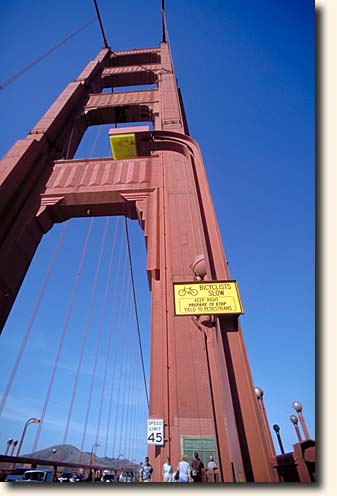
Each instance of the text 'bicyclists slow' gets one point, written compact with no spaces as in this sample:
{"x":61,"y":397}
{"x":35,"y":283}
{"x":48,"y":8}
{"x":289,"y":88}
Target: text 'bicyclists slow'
{"x":211,"y":297}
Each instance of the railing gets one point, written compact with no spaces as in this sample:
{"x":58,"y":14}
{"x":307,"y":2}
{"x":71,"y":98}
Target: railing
{"x":8,"y":463}
{"x":298,"y":465}
{"x":210,"y":475}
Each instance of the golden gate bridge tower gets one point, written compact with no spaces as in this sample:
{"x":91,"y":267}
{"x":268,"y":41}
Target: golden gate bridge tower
{"x":201,"y":389}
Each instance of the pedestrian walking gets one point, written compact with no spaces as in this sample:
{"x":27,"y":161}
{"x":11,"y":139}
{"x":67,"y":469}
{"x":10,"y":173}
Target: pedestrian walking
{"x":197,"y":465}
{"x":211,"y":463}
{"x":183,"y":473}
{"x":146,"y":471}
{"x":167,"y":470}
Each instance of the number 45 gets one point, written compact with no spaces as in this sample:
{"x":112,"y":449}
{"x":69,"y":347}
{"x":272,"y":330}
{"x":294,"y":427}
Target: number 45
{"x":155,"y":438}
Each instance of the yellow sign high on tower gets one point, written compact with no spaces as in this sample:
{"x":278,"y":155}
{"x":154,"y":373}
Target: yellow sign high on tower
{"x":207,"y":298}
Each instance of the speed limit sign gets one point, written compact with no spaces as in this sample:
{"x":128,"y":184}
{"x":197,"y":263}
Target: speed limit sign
{"x":155,"y":431}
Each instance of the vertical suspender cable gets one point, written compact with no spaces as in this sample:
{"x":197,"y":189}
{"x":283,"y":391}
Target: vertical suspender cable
{"x":135,"y":421}
{"x":64,"y":330}
{"x":136,"y":311}
{"x":86,"y":328}
{"x":121,"y":334}
{"x":85,"y":334}
{"x":130,"y":421}
{"x":93,"y":375}
{"x":110,"y":333}
{"x":125,"y":388}
{"x":113,"y":327}
{"x":31,"y":322}
{"x":130,"y":378}
{"x":140,"y":426}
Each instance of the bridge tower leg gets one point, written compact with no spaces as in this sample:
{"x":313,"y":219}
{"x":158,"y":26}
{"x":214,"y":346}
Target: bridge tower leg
{"x":200,"y":380}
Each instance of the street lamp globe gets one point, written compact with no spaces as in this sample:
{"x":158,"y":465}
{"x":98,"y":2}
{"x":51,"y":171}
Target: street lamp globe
{"x":294,"y":419}
{"x":258,"y":392}
{"x":32,"y":420}
{"x":297,"y":406}
{"x":8,"y":444}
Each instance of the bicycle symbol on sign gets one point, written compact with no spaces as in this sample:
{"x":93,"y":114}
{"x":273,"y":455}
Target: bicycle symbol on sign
{"x":187,"y":291}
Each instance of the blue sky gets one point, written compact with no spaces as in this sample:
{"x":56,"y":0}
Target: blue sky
{"x":246,"y":70}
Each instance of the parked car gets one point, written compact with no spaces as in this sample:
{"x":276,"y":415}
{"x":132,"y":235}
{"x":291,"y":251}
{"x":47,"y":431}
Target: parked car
{"x":17,"y":474}
{"x":69,"y":477}
{"x":128,"y":476}
{"x":38,"y":476}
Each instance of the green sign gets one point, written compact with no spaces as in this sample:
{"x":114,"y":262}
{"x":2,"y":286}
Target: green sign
{"x":203,"y":445}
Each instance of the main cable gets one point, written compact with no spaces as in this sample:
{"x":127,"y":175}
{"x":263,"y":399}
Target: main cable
{"x":163,"y":20}
{"x":101,"y":25}
{"x":45,"y":54}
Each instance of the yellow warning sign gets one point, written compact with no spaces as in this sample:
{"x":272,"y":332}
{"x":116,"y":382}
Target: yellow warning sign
{"x":207,"y":298}
{"x":123,"y":146}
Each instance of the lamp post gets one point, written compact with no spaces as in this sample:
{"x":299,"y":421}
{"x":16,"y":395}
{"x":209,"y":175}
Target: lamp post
{"x":14,"y":443}
{"x":118,"y":458}
{"x":53,"y":453}
{"x":259,"y":395}
{"x":9,"y":442}
{"x":294,"y":420}
{"x":297,"y":406}
{"x":8,"y":445}
{"x":277,"y":430}
{"x":95,"y":445}
{"x":32,"y":420}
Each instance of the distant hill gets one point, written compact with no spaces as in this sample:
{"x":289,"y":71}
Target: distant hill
{"x":70,"y":454}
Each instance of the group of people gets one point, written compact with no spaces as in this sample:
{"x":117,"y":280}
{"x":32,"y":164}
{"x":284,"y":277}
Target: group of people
{"x":185,"y":472}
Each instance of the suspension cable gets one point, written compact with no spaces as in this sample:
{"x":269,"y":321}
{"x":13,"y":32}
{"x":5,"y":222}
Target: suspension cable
{"x":140,"y":415}
{"x":124,"y":376}
{"x":131,"y":375}
{"x":136,"y":311}
{"x":44,"y":55}
{"x":116,"y":351}
{"x":93,"y":373}
{"x":122,"y":357}
{"x":112,"y":326}
{"x":134,"y":414}
{"x":109,"y":336}
{"x":31,"y":322}
{"x":64,"y":331}
{"x":101,"y":24}
{"x":86,"y":327}
{"x":163,"y":21}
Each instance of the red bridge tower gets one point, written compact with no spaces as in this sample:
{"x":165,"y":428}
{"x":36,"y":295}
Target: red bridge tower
{"x":200,"y":380}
